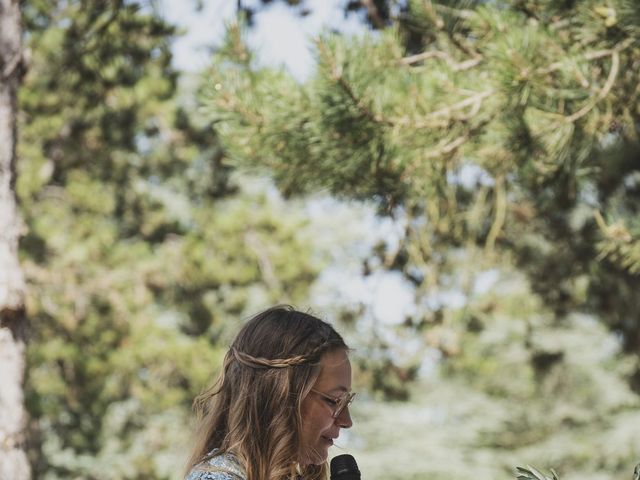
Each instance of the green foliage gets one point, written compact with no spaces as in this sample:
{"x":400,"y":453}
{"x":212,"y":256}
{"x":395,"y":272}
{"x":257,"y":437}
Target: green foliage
{"x":502,"y":137}
{"x":506,"y":132}
{"x":141,"y":252}
{"x":530,"y":473}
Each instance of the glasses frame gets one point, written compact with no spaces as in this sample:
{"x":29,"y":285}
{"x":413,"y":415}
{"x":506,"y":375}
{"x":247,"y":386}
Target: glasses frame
{"x":342,"y":402}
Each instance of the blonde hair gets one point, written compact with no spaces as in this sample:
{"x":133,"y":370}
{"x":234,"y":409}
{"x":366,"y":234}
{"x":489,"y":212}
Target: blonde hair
{"x":254,"y":409}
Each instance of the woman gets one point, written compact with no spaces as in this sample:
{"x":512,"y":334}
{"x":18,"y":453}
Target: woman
{"x":282,"y":398}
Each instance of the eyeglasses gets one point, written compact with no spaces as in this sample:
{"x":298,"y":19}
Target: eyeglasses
{"x":337,"y":404}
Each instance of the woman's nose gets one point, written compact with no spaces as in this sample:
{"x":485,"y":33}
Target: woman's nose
{"x":344,"y":419}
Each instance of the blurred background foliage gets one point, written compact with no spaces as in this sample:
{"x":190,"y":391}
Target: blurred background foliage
{"x":141,"y":251}
{"x":500,"y":138}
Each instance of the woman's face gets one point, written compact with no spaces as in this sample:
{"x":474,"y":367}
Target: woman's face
{"x":319,"y":428}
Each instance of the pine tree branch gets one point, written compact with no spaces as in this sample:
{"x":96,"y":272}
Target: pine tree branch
{"x":458,"y":41}
{"x":613,"y":73}
{"x":618,"y":245}
{"x":589,"y":56}
{"x":428,"y":121}
{"x":228,"y":101}
{"x":605,"y":53}
{"x":559,"y":66}
{"x":455,"y":66}
{"x":436,"y":119}
{"x":456,"y":12}
{"x":424,"y":56}
{"x":430,"y":11}
{"x":373,"y":13}
{"x":445,"y":148}
{"x":618,"y":231}
{"x":501,"y":213}
{"x":360,"y":105}
{"x":336,"y":76}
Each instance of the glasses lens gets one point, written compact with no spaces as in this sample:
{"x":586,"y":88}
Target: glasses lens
{"x":345,"y":401}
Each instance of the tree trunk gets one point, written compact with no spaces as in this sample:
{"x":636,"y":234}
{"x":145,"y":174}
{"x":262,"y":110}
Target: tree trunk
{"x":13,"y":460}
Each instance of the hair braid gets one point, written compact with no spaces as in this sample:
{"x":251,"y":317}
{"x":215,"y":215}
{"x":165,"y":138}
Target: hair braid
{"x":261,"y":362}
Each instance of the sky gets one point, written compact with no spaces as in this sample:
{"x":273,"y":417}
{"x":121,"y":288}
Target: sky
{"x":280,"y":35}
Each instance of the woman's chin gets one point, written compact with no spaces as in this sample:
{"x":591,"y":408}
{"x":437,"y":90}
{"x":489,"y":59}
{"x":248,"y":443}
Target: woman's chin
{"x":317,"y":457}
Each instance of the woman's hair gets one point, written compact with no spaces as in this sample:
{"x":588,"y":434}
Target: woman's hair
{"x":254,"y":409}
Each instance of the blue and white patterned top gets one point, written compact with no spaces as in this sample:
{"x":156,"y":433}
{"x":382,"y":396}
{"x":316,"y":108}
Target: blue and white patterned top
{"x":219,"y":467}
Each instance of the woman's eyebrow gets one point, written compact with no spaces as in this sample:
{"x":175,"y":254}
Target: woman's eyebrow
{"x":340,"y":388}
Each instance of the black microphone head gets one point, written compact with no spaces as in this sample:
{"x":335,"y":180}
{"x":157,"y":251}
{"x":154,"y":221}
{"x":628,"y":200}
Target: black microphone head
{"x":344,"y":467}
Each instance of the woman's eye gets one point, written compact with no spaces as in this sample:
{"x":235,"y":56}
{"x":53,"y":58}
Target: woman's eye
{"x":331,"y":401}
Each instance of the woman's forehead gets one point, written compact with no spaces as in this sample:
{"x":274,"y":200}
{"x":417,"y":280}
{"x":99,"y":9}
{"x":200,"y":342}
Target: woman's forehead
{"x":335,"y":373}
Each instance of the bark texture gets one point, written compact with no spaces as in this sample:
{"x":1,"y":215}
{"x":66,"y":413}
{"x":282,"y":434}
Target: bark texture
{"x":13,"y":460}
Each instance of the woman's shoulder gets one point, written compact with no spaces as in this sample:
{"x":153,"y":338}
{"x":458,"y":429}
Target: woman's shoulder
{"x":223,"y":466}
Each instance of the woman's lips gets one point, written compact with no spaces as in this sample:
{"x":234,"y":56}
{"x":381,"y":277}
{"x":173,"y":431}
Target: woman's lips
{"x":328,"y":440}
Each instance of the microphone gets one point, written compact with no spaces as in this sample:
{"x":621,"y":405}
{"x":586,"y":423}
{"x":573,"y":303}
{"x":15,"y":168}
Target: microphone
{"x":344,"y":467}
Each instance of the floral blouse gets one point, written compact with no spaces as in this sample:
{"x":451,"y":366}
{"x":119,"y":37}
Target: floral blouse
{"x":224,"y":466}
